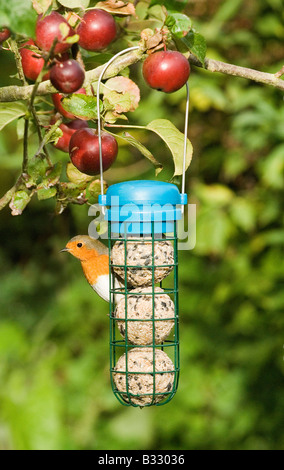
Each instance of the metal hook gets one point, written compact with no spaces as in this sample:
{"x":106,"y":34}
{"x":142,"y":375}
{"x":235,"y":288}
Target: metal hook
{"x":99,"y":113}
{"x":99,"y":123}
{"x":185,"y":143}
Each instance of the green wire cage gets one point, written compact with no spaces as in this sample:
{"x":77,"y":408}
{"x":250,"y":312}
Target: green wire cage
{"x":143,"y":264}
{"x":143,"y":268}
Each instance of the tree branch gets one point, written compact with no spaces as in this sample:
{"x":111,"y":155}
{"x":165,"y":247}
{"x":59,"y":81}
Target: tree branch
{"x":237,"y":71}
{"x":15,"y":93}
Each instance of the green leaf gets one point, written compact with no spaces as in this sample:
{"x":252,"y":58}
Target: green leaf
{"x":139,"y":25}
{"x":19,"y":16}
{"x":11,"y":111}
{"x":69,"y":191}
{"x":54,"y":136}
{"x":157,"y":12}
{"x":111,"y":117}
{"x":196,"y":44}
{"x":74,"y":3}
{"x":171,"y":5}
{"x":13,"y":340}
{"x":97,"y":58}
{"x":135,"y":143}
{"x":41,"y":6}
{"x":36,"y":169}
{"x":243,"y":214}
{"x":120,"y":103}
{"x":19,"y":201}
{"x":94,"y":189}
{"x":174,"y":140}
{"x":76,"y":176}
{"x":214,"y":229}
{"x":46,"y":193}
{"x":215,"y":195}
{"x":178,"y":24}
{"x":271,"y":168}
{"x":141,"y":10}
{"x":53,"y":174}
{"x":82,"y":106}
{"x":64,"y":30}
{"x":117,"y":8}
{"x":72,"y":39}
{"x":122,"y":94}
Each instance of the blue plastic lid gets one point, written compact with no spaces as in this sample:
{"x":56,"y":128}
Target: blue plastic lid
{"x":143,"y":192}
{"x":135,"y":207}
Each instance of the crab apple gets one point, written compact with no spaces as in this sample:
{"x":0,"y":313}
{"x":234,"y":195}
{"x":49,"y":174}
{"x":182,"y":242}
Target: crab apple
{"x":58,"y":97}
{"x":85,"y":154}
{"x":68,"y":130}
{"x":59,"y":58}
{"x":48,"y":28}
{"x":5,"y":33}
{"x":97,"y":30}
{"x":166,"y":71}
{"x":32,"y":62}
{"x":67,"y":76}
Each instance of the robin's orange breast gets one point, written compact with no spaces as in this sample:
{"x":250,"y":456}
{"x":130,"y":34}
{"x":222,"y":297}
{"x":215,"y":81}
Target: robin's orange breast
{"x":95,"y":267}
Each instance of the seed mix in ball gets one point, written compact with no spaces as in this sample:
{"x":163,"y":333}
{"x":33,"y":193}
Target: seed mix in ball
{"x":140,"y":307}
{"x":141,"y":373}
{"x":140,"y":254}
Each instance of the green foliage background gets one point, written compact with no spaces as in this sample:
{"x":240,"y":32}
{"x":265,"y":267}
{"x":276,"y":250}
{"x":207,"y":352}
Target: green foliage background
{"x":55,"y":391}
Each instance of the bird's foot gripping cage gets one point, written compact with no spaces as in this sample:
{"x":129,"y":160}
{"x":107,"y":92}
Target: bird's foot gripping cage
{"x":143,"y":267}
{"x":144,"y":323}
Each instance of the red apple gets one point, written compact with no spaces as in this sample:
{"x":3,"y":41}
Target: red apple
{"x":68,"y":130}
{"x":96,"y":30}
{"x":32,"y":62}
{"x":58,"y":97}
{"x":48,"y":28}
{"x":166,"y":71}
{"x":84,"y":151}
{"x":59,"y":58}
{"x":67,"y":76}
{"x":5,"y":33}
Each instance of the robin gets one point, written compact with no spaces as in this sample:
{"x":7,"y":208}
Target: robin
{"x":95,"y":263}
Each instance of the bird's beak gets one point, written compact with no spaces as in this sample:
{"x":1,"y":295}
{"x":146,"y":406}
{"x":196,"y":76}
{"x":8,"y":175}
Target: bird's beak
{"x":64,"y":249}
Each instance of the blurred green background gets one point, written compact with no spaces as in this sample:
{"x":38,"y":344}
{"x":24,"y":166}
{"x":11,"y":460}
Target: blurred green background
{"x":54,"y":355}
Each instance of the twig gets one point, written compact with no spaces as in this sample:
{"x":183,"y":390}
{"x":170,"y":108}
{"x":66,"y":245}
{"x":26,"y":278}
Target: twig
{"x":280,"y":72}
{"x":38,"y":127}
{"x":18,"y":59}
{"x":47,"y":136}
{"x":33,"y":95}
{"x":38,"y":81}
{"x":25,"y":146}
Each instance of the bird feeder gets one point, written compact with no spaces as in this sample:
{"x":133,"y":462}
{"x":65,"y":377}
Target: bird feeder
{"x":142,"y":221}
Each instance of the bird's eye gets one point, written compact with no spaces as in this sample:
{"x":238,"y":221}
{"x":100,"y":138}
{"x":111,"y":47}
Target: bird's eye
{"x":79,"y":245}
